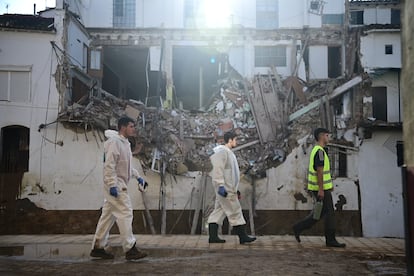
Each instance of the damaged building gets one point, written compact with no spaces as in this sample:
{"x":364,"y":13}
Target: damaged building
{"x":187,"y":71}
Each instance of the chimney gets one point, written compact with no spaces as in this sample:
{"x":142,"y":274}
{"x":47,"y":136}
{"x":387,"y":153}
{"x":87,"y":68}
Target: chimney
{"x":34,"y":9}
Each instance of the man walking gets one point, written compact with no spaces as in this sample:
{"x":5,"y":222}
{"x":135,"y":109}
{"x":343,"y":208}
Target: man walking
{"x":321,"y":185}
{"x":117,"y":204}
{"x":225,"y":177}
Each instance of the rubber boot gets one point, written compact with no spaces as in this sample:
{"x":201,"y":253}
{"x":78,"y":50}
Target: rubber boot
{"x":241,"y":232}
{"x":213,"y":234}
{"x":331,"y":240}
{"x":101,"y":253}
{"x":135,"y":254}
{"x":296,"y":232}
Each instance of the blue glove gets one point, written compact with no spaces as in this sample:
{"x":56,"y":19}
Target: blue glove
{"x":222,"y":191}
{"x":142,"y":184}
{"x":113,"y":191}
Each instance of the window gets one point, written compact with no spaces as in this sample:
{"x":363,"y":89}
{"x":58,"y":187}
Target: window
{"x":118,"y":7}
{"x":85,"y":58}
{"x":95,"y":60}
{"x":388,"y":49}
{"x":339,"y":162}
{"x":266,"y":56}
{"x":267,"y":16}
{"x":357,"y":18}
{"x":15,"y":86}
{"x":332,"y":19}
{"x":190,"y":7}
{"x":124,"y":13}
{"x":395,"y":16}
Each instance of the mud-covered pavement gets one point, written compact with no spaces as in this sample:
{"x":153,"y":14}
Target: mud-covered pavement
{"x":217,"y":262}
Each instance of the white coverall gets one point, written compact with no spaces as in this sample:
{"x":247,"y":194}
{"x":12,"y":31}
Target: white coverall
{"x":117,"y":173}
{"x":226,"y":173}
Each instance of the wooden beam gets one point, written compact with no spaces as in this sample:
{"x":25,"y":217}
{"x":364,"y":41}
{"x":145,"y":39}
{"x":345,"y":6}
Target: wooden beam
{"x":335,"y":93}
{"x":246,"y":145}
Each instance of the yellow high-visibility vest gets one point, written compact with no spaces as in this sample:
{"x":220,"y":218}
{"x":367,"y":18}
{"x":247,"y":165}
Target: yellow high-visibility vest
{"x":312,"y":175}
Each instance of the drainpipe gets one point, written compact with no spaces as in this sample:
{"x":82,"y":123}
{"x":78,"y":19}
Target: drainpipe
{"x":399,"y":96}
{"x":201,"y":88}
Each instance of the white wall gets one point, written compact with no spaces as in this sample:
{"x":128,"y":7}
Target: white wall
{"x":318,"y":62}
{"x":93,"y":13}
{"x":276,"y":192}
{"x":381,"y":187}
{"x":76,"y":40}
{"x":373,"y":50}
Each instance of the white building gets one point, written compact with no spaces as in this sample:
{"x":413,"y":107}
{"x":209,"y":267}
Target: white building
{"x":380,"y":55}
{"x":121,"y":48}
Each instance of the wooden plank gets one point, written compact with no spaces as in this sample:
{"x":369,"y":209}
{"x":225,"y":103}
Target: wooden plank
{"x":199,"y":206}
{"x":306,"y":109}
{"x":335,"y":93}
{"x":246,"y":145}
{"x":294,"y":83}
{"x":147,"y":213}
{"x":345,"y":87}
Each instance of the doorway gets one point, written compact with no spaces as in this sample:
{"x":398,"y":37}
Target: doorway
{"x":14,"y":153}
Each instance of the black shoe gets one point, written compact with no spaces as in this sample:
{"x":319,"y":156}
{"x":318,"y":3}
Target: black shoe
{"x":297,"y":234}
{"x":331,"y":240}
{"x":101,"y":253}
{"x":243,"y":237}
{"x":213,"y":234}
{"x":335,"y":243}
{"x":135,"y":254}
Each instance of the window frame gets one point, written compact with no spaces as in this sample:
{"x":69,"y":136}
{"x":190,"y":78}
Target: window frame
{"x":17,"y":69}
{"x":263,"y":21}
{"x":387,"y":49}
{"x":263,"y":57}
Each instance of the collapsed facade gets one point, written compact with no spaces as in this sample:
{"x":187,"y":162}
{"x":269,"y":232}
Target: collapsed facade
{"x":271,"y":70}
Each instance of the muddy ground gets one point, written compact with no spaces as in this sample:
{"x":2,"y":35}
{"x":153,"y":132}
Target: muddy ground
{"x":231,"y":262}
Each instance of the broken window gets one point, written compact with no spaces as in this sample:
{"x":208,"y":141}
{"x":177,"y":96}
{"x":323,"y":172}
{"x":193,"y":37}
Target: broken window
{"x":266,"y":56}
{"x":338,"y":159}
{"x":379,"y":103}
{"x":95,"y":63}
{"x":15,"y":86}
{"x":332,"y":19}
{"x":334,"y":62}
{"x":388,"y":49}
{"x":79,"y":90}
{"x":195,"y":74}
{"x":267,"y":16}
{"x":396,"y":16}
{"x":124,"y":13}
{"x":125,"y":72}
{"x":357,"y":18}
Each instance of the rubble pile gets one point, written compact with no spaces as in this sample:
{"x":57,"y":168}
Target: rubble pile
{"x":183,"y":140}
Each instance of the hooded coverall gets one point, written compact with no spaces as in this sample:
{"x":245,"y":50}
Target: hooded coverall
{"x":226,"y":173}
{"x":117,"y":173}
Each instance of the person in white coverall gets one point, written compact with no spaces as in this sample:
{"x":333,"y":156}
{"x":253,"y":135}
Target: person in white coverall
{"x":117,"y":204}
{"x":226,"y":177}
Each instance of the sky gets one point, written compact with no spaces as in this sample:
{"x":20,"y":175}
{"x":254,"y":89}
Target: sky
{"x":24,"y":6}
